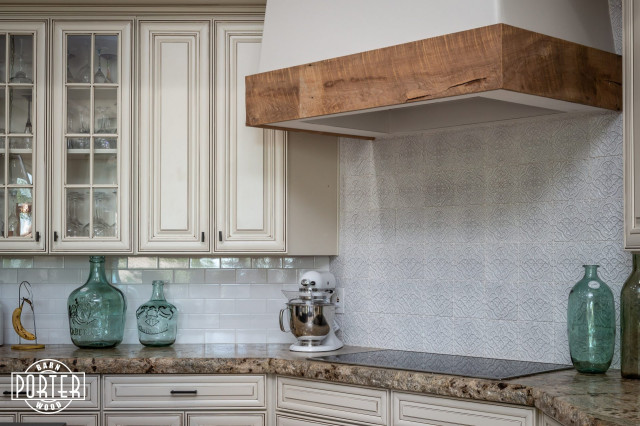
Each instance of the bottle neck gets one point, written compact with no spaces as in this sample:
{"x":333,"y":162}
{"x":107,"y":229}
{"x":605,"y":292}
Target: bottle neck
{"x":636,"y":261}
{"x":96,"y":270}
{"x":158,"y":291}
{"x":591,"y":271}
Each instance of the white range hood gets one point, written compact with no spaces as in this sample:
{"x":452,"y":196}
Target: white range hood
{"x":324,"y":66}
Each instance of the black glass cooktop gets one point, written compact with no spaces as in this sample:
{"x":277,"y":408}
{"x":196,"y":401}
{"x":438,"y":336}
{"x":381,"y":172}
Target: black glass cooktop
{"x":482,"y":368}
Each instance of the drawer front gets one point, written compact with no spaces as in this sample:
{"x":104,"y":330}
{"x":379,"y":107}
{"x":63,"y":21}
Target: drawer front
{"x":137,"y":419}
{"x":69,"y":419}
{"x":412,"y":410}
{"x":8,"y":418}
{"x":282,"y":420}
{"x":178,"y":391}
{"x":226,"y":420}
{"x":92,"y":387}
{"x":332,"y":400}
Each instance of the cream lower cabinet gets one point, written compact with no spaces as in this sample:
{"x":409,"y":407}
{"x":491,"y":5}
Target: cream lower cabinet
{"x":6,"y":417}
{"x":250,"y":162}
{"x":69,"y":419}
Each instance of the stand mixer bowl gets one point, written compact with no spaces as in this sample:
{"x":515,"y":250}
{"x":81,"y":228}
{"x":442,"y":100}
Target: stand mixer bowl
{"x":309,"y":322}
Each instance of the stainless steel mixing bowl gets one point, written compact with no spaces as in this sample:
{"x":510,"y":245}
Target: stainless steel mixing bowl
{"x":309,"y":322}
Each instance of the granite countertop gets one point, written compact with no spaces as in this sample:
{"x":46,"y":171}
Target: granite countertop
{"x":570,"y":397}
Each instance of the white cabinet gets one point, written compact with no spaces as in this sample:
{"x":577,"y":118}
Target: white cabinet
{"x":339,"y":402}
{"x":250,"y":162}
{"x":174,"y":138}
{"x":416,"y":410}
{"x":91,"y":150}
{"x":6,"y":417}
{"x":138,"y":419}
{"x":631,"y":88}
{"x":69,"y":419}
{"x":227,"y":419}
{"x":23,"y":99}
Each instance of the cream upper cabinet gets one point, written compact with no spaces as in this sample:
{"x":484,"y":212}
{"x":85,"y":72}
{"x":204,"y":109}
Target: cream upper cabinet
{"x":174,"y":138}
{"x":250,"y":162}
{"x":91,"y":149}
{"x":631,"y":64}
{"x":23,"y":100}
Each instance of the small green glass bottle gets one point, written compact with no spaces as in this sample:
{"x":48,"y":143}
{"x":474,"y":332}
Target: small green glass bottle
{"x":630,"y":323}
{"x":96,"y":310}
{"x":591,"y":321}
{"x":157,"y":319}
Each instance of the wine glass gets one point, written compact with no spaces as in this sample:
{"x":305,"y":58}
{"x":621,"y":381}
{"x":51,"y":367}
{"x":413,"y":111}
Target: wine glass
{"x":19,"y":76}
{"x":13,"y":223}
{"x":100,"y":227}
{"x":70,"y":77}
{"x":99,"y":77}
{"x":74,"y":226}
{"x":28,"y":128}
{"x":109,"y":57}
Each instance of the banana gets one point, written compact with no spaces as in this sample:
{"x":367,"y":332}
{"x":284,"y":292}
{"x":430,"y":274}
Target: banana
{"x":17,"y":324}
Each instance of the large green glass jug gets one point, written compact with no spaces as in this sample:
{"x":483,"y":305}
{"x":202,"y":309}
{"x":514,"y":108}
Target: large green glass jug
{"x":591,"y":322}
{"x":96,"y":310}
{"x":630,"y":323}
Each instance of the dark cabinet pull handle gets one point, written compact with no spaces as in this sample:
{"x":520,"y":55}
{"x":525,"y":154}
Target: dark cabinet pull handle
{"x":184,"y":392}
{"x":55,"y":236}
{"x":219,"y":235}
{"x":202,"y":237}
{"x":9,"y":393}
{"x":37,"y":237}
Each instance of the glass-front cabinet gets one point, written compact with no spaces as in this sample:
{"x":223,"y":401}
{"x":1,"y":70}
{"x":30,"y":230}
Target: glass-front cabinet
{"x":23,"y":71}
{"x":91,"y":159}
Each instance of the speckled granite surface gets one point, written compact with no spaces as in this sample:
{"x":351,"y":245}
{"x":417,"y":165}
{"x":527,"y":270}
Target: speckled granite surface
{"x":570,"y":397}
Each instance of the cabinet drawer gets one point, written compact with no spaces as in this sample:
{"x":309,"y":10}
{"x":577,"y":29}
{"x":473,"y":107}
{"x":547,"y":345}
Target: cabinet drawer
{"x":69,"y":419}
{"x":225,"y":419}
{"x":331,"y":400}
{"x":5,"y":417}
{"x":90,"y":401}
{"x":177,"y":391}
{"x":298,"y":421}
{"x":137,"y":419}
{"x":410,"y":410}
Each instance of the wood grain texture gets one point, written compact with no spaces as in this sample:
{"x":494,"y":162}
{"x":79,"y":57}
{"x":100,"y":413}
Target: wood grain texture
{"x":482,"y":59}
{"x":540,"y":65}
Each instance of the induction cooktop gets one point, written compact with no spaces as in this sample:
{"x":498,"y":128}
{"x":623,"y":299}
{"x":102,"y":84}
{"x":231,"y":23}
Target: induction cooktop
{"x":482,"y":368}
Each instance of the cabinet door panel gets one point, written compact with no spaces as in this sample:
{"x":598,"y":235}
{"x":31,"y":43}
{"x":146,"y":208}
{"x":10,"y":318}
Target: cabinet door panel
{"x":69,"y":419}
{"x":136,"y":419}
{"x":250,"y":162}
{"x":23,"y":77}
{"x":91,"y":156}
{"x":174,"y":138}
{"x":225,"y":420}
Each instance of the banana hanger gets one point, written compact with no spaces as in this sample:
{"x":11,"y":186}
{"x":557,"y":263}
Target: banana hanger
{"x":16,"y":320}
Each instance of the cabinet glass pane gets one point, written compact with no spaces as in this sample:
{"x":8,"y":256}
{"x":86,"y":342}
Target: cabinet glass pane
{"x":20,"y":107}
{"x":19,"y":222}
{"x":3,"y":58}
{"x":77,"y":212}
{"x":2,"y":111}
{"x":21,"y":53}
{"x":2,"y":212}
{"x":78,"y":167}
{"x":105,"y":169}
{"x":20,"y":169}
{"x":20,"y":143}
{"x":2,"y":160}
{"x":105,"y":212}
{"x":101,"y":143}
{"x":78,"y":59}
{"x":106,"y":111}
{"x":105,"y":61}
{"x":78,"y":143}
{"x":78,"y":109}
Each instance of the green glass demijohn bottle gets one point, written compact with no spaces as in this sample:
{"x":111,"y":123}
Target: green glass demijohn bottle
{"x":630,"y":323}
{"x":591,"y":321}
{"x":157,"y":319}
{"x":96,"y":310}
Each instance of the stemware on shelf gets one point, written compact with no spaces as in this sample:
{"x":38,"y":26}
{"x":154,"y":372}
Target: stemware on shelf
{"x":75,"y":228}
{"x":28,"y":128}
{"x":99,"y":76}
{"x":109,"y":57}
{"x":19,"y":74}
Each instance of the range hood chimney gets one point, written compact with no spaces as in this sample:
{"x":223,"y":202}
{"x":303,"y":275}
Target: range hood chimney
{"x":367,"y":68}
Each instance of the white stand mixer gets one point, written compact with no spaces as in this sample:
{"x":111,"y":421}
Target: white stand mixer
{"x":311,"y":314}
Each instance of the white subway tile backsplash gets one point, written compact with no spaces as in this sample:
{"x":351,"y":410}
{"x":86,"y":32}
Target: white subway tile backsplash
{"x":205,"y":262}
{"x":173,"y":262}
{"x":160,"y":275}
{"x":142,"y":262}
{"x":204,"y":291}
{"x":285,"y":276}
{"x":249,"y":276}
{"x":235,"y":262}
{"x":220,"y":276}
